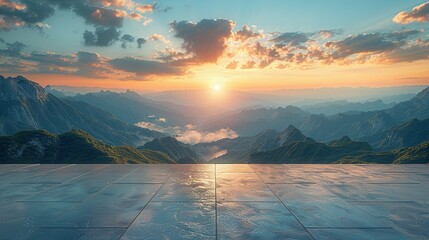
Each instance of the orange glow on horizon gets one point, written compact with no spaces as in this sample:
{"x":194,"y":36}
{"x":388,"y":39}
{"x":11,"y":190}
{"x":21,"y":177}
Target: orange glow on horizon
{"x":365,"y":75}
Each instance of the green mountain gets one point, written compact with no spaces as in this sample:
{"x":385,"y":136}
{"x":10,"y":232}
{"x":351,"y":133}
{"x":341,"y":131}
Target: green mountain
{"x":178,"y":151}
{"x":238,"y":150}
{"x":75,"y":146}
{"x":408,"y":155}
{"x":311,"y":152}
{"x":408,"y":134}
{"x":25,"y":105}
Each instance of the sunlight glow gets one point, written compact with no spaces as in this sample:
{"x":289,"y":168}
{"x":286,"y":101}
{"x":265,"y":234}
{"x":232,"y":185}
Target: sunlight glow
{"x":217,"y":87}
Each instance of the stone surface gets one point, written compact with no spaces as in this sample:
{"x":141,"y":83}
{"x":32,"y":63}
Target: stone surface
{"x":214,"y":201}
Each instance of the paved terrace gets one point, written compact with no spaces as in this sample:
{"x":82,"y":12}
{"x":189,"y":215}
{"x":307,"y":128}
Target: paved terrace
{"x":214,"y":202}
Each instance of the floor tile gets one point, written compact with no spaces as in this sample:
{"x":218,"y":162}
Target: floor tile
{"x":187,"y":187}
{"x":258,"y":220}
{"x":78,"y":233}
{"x":410,"y":218}
{"x":174,"y":220}
{"x":356,"y":234}
{"x":20,"y":220}
{"x":114,"y":206}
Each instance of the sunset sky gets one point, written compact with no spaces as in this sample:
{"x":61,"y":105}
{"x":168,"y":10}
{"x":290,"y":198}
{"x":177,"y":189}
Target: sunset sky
{"x":238,"y":45}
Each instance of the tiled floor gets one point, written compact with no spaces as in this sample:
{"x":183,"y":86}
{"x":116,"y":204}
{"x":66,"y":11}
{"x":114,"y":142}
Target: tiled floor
{"x":214,"y":202}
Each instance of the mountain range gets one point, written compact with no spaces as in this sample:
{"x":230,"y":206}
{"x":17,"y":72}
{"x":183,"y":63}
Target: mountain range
{"x":25,"y":105}
{"x":75,"y":146}
{"x":178,"y":151}
{"x":42,"y":128}
{"x":320,"y":127}
{"x":132,"y":107}
{"x":408,"y":134}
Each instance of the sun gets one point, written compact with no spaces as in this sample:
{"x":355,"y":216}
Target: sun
{"x":217,"y":87}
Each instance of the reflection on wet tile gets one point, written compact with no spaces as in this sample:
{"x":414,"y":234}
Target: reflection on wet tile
{"x":14,"y":192}
{"x":78,"y":233}
{"x":356,"y":234}
{"x":176,"y":168}
{"x":242,"y":187}
{"x":174,"y":220}
{"x":381,"y":192}
{"x":233,"y":168}
{"x":314,"y":206}
{"x":409,"y":218}
{"x":187,"y":187}
{"x":114,"y":206}
{"x":82,"y":187}
{"x":144,"y":177}
{"x":19,"y":220}
{"x":258,"y":220}
{"x":279,"y":177}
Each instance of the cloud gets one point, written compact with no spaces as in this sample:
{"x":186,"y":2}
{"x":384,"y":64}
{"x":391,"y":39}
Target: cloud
{"x":12,"y":5}
{"x":291,"y":38}
{"x":370,"y":43}
{"x":159,"y":38}
{"x":126,"y":38}
{"x":140,"y":42}
{"x":143,"y":8}
{"x":27,"y":12}
{"x":204,"y":41}
{"x":325,"y":34}
{"x":142,"y":67}
{"x":232,"y":65}
{"x":417,"y":14}
{"x":99,"y":13}
{"x":402,"y":35}
{"x":116,"y":3}
{"x":91,"y":65}
{"x":12,"y":49}
{"x":361,"y":43}
{"x":151,"y":126}
{"x":101,"y":37}
{"x":247,"y":33}
{"x":193,"y":136}
{"x":135,"y":16}
{"x":248,"y":65}
{"x":189,"y":133}
{"x":406,"y":54}
{"x":101,"y":16}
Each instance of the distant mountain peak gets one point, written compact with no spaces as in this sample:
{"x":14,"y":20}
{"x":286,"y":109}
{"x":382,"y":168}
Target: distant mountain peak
{"x":292,"y":134}
{"x":423,"y":95}
{"x":20,"y":88}
{"x":345,"y":140}
{"x":291,"y":128}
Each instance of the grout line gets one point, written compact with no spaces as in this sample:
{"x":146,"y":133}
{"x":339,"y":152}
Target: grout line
{"x":311,"y":235}
{"x":381,"y":201}
{"x":51,"y":201}
{"x":83,"y":201}
{"x":19,"y":168}
{"x":367,"y":228}
{"x":54,"y":186}
{"x":150,"y":200}
{"x":52,"y":170}
{"x":81,"y":227}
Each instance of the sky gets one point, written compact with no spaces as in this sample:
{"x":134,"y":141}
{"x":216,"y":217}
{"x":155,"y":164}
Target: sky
{"x":197,"y":44}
